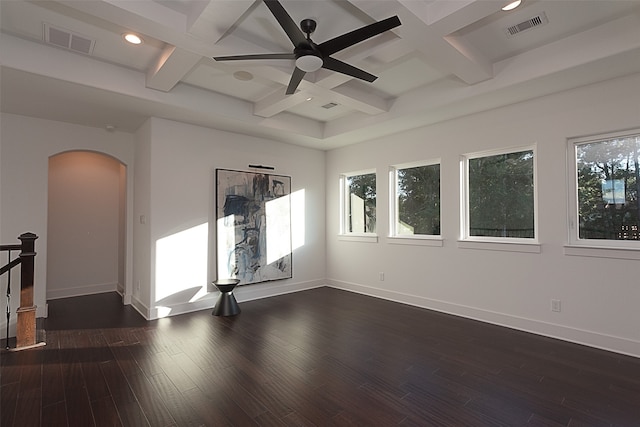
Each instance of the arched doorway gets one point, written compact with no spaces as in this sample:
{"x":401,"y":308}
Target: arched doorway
{"x":86,"y":224}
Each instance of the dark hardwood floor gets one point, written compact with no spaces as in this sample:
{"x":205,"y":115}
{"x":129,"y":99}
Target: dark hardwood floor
{"x":321,"y":357}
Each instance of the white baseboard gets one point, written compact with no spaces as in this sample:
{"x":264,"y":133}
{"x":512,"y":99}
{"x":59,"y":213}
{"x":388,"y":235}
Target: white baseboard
{"x":251,"y":292}
{"x":140,"y":307}
{"x":79,"y":291}
{"x":565,"y":333}
{"x":42,"y":311}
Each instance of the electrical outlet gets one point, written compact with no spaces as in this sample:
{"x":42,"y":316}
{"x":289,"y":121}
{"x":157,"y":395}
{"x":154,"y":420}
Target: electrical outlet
{"x":381,"y":277}
{"x":138,"y":285}
{"x":555,"y":305}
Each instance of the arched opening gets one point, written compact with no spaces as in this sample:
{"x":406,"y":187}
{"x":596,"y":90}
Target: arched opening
{"x":86,"y":223}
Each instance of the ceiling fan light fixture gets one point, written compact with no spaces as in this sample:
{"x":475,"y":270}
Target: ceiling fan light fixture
{"x":512,"y":5}
{"x":309,"y":63}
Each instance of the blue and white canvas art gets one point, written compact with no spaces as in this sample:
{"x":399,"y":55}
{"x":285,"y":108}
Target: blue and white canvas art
{"x":253,"y":215}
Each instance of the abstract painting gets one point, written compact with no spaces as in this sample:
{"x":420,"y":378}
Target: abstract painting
{"x":253,"y":216}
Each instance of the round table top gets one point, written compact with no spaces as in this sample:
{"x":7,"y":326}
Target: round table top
{"x":230,"y":281}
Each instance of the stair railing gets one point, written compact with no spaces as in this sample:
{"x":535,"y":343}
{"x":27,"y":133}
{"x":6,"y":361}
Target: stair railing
{"x":26,"y":322}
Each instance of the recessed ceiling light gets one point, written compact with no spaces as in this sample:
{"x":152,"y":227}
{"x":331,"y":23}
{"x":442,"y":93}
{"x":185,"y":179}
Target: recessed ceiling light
{"x":132,"y":38}
{"x":512,"y":5}
{"x":310,"y":98}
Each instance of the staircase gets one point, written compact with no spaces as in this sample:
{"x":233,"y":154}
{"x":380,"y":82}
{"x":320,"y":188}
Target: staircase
{"x":26,"y":331}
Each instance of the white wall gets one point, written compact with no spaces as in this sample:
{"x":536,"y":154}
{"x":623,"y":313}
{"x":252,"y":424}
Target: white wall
{"x":177,"y":194}
{"x":84,"y":219}
{"x":141,"y":230}
{"x":600,"y":297}
{"x":26,"y":145}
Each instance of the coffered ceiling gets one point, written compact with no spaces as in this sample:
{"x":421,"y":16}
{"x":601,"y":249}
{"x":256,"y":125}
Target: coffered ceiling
{"x":448,"y":58}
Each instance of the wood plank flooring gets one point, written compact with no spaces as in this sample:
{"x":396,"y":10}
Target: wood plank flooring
{"x":322,"y":357}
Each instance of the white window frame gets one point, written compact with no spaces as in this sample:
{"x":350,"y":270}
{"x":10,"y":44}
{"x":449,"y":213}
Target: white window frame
{"x":416,"y":239}
{"x":496,"y":243}
{"x":345,"y":234}
{"x":625,"y":249}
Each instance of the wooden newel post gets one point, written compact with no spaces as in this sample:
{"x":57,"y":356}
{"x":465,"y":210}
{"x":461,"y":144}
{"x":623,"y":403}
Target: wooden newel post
{"x":26,"y":326}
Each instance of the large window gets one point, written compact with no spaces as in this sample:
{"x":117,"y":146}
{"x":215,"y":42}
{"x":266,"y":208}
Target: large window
{"x":606,"y":187}
{"x":359,"y":203}
{"x":415,"y":199}
{"x":499,"y":196}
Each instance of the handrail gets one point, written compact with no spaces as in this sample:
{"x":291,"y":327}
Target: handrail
{"x":10,"y":265}
{"x":10,"y":247}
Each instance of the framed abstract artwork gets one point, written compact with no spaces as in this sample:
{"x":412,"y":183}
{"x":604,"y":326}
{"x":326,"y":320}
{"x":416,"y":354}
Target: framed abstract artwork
{"x":253,"y":226}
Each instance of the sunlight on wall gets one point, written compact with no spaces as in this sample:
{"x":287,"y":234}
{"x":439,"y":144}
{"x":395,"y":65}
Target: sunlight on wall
{"x":278,"y":219}
{"x":285,"y":225}
{"x":226,"y":238}
{"x":181,"y":266}
{"x":297,"y":219}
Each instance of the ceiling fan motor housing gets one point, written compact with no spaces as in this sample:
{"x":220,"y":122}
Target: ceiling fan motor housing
{"x":308,"y":26}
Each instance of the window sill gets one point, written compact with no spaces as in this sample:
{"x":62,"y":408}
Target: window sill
{"x":364,"y":238}
{"x":602,"y":252}
{"x":533,"y":248}
{"x":416,"y":240}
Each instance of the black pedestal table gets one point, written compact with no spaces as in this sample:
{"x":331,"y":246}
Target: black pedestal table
{"x":226,"y":304}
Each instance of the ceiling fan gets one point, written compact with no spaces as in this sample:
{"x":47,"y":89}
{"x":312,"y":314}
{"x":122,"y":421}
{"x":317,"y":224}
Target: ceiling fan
{"x":309,"y":56}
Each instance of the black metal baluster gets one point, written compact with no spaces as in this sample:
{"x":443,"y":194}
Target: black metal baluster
{"x":8,"y":299}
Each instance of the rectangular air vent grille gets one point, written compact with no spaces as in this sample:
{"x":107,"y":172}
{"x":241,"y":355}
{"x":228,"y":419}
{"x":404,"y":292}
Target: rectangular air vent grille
{"x":330,"y":105}
{"x":529,"y":24}
{"x":68,"y":40}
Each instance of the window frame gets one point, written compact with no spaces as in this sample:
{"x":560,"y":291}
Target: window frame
{"x":490,"y":242}
{"x":394,"y":237}
{"x":344,"y":213}
{"x":592,"y":247}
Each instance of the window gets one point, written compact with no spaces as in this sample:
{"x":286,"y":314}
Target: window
{"x":359,"y":203}
{"x":415,"y":199}
{"x":499,"y":196}
{"x":605,"y":182}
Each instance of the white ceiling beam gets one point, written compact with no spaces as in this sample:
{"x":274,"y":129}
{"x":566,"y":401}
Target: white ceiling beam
{"x":194,"y":12}
{"x":426,"y":34}
{"x":153,"y":11}
{"x":211,"y":19}
{"x":446,"y":16}
{"x":170,"y":67}
{"x":276,"y":102}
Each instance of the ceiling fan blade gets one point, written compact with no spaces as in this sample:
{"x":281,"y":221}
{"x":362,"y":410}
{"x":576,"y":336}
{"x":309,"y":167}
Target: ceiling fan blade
{"x":356,"y":36}
{"x":344,"y":68}
{"x":256,"y":56}
{"x":289,"y":26}
{"x":296,"y":78}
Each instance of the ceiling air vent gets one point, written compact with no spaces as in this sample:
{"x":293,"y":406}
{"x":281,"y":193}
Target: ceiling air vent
{"x":68,"y":40}
{"x":529,"y":24}
{"x":330,"y":105}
